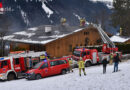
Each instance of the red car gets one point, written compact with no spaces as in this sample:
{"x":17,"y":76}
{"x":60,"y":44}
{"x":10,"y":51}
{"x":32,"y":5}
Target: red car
{"x":48,"y":68}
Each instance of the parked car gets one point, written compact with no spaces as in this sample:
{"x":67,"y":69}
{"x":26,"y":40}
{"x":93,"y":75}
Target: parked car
{"x":48,"y":68}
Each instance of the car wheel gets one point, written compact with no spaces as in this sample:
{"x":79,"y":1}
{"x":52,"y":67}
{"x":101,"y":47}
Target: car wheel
{"x":10,"y":77}
{"x":38,"y":76}
{"x":63,"y":72}
{"x":88,"y":64}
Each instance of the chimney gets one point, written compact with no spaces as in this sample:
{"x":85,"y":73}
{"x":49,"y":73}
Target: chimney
{"x":48,"y":29}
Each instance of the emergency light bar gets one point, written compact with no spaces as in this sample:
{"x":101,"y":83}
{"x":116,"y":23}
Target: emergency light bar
{"x":1,"y":58}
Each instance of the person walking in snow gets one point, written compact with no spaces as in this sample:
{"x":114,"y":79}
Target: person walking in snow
{"x":104,"y":62}
{"x":81,"y":66}
{"x":70,"y":65}
{"x":116,"y":62}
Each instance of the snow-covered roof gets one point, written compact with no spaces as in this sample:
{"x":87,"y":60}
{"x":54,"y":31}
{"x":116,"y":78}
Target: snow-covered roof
{"x":109,"y":3}
{"x":120,"y":39}
{"x":39,"y":35}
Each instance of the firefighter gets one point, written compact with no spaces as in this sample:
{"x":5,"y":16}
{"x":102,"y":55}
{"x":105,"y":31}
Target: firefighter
{"x":82,"y":22}
{"x":70,"y":65}
{"x":111,"y":59}
{"x":63,"y":21}
{"x":81,"y":66}
{"x":120,"y":31}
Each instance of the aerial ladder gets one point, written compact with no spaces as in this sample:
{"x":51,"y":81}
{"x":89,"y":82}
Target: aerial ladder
{"x":108,"y":46}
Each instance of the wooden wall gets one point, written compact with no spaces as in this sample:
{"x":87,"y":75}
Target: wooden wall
{"x":62,"y":47}
{"x":14,"y":45}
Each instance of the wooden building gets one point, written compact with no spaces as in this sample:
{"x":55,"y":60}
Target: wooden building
{"x":127,"y":42}
{"x":58,"y":45}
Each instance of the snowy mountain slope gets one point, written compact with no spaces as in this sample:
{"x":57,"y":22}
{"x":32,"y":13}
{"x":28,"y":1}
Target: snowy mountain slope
{"x":94,"y":80}
{"x":31,"y":13}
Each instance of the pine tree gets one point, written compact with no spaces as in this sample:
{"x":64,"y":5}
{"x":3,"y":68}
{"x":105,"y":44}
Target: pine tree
{"x":121,"y":15}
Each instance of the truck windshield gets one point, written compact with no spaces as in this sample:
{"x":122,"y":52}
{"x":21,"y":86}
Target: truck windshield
{"x":77,"y":53}
{"x":37,"y":65}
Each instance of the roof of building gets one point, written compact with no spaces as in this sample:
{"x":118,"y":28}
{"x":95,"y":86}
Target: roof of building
{"x":42,"y":34}
{"x":119,"y":39}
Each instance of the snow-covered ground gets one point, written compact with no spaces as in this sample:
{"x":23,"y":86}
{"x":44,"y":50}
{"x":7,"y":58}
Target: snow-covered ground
{"x":94,"y":80}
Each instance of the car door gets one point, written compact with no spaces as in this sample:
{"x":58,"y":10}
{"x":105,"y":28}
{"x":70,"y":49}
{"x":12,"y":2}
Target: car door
{"x":54,"y":67}
{"x":5,"y":66}
{"x":17,"y":66}
{"x":62,"y":65}
{"x":44,"y":70}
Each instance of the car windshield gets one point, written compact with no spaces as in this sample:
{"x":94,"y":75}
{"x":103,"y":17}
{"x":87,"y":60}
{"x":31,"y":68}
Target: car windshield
{"x":37,"y":65}
{"x":77,"y":53}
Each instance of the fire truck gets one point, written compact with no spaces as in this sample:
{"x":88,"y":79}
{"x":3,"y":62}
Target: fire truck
{"x":14,"y":66}
{"x":1,"y":8}
{"x":92,"y":56}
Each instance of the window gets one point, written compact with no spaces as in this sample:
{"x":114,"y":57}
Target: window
{"x":37,"y":65}
{"x":53,"y":63}
{"x":70,"y":48}
{"x":88,"y":53}
{"x":77,"y":53}
{"x":3,"y":63}
{"x":86,"y":33}
{"x":62,"y":62}
{"x":86,"y":40}
{"x":83,"y":54}
{"x":45,"y":65}
{"x":98,"y":41}
{"x":16,"y":61}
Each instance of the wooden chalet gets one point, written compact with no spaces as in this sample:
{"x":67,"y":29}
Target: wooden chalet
{"x":58,"y":41}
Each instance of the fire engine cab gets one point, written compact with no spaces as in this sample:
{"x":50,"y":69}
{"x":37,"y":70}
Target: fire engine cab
{"x":14,"y":66}
{"x":90,"y":56}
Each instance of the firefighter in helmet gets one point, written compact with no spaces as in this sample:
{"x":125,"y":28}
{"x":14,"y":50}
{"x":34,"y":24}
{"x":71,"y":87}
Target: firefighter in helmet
{"x":63,"y":21}
{"x":70,"y":65}
{"x":120,"y":31}
{"x":81,"y":66}
{"x":82,"y":22}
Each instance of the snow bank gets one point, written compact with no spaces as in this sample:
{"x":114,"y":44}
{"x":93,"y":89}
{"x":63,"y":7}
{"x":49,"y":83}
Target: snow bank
{"x":94,"y":80}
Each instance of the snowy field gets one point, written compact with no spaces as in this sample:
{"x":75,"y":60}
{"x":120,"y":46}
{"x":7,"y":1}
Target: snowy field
{"x":94,"y":80}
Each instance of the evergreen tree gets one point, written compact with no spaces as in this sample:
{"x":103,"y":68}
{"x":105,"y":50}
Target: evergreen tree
{"x":121,"y":15}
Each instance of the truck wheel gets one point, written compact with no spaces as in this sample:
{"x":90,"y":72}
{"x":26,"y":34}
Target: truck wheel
{"x":63,"y":72}
{"x":11,"y":77}
{"x":38,"y":76}
{"x":88,"y":64}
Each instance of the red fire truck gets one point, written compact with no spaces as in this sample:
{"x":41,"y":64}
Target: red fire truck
{"x":1,"y":8}
{"x":13,"y":66}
